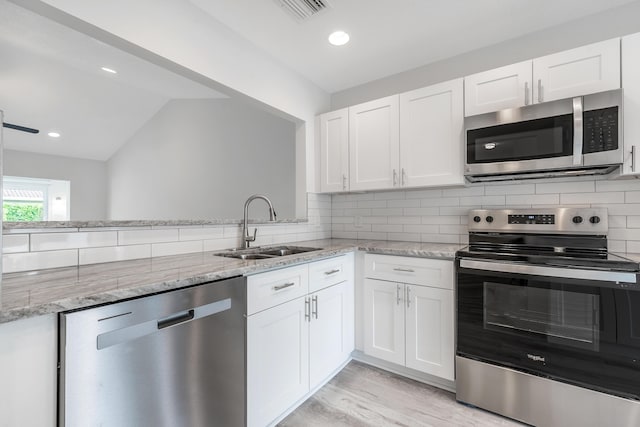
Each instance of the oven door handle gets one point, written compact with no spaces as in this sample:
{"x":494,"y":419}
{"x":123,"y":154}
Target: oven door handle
{"x":535,"y":270}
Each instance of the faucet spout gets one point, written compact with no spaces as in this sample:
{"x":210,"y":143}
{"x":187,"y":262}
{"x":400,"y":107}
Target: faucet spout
{"x":246,"y":237}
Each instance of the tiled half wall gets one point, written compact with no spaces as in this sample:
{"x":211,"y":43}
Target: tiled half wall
{"x":440,"y":215}
{"x":51,"y":248}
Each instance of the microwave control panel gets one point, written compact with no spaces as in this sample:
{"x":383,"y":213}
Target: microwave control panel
{"x":600,"y":130}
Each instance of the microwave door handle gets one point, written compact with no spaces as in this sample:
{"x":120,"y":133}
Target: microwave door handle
{"x":577,"y":131}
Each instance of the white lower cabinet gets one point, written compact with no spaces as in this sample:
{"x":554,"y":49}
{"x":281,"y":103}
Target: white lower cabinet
{"x":295,"y":346}
{"x":277,"y":360}
{"x":410,"y":324}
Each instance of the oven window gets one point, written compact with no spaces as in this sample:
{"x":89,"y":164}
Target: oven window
{"x":568,"y":318}
{"x":533,"y":139}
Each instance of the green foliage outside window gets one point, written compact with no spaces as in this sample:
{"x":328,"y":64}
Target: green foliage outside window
{"x":22,"y":211}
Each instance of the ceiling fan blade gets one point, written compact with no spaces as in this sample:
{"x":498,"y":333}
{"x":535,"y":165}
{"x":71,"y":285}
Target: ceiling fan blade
{"x":20,"y":128}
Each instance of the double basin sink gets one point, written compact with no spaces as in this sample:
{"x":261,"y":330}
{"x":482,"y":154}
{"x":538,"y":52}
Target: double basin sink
{"x":265,"y":253}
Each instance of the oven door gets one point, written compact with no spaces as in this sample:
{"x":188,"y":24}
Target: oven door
{"x":577,"y":326}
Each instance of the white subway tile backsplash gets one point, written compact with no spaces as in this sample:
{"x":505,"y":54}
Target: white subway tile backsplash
{"x":440,"y":238}
{"x":387,"y":228}
{"x":633,"y":221}
{"x":390,"y":195}
{"x":477,"y":190}
{"x":482,"y":200}
{"x":387,"y":211}
{"x":422,"y":228}
{"x":618,"y":185}
{"x":441,"y":220}
{"x":616,"y":245}
{"x":114,"y":253}
{"x":633,"y":247}
{"x":617,"y":221}
{"x":632,"y":197}
{"x":54,"y":241}
{"x":14,"y":243}
{"x":566,"y":187}
{"x":39,"y":260}
{"x":405,"y":203}
{"x":221,"y":244}
{"x":619,"y":208}
{"x":404,"y":220}
{"x":147,"y":236}
{"x":372,"y":235}
{"x":533,"y":199}
{"x":420,"y":211}
{"x":404,"y":237}
{"x":442,"y":201}
{"x":176,"y":248}
{"x":201,"y":233}
{"x":496,"y":190}
{"x":423,"y":194}
{"x":574,"y":198}
{"x":372,"y":204}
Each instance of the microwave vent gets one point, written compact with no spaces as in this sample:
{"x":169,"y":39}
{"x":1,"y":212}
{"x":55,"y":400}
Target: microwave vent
{"x":302,"y":10}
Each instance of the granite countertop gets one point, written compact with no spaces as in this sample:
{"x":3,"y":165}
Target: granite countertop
{"x":35,"y":293}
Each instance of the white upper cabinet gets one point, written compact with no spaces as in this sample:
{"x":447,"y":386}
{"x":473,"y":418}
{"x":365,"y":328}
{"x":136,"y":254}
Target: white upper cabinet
{"x":498,"y":89}
{"x":631,"y":85}
{"x":576,"y":72}
{"x":374,"y":139}
{"x":431,"y":130}
{"x":334,"y":151}
{"x":581,"y":71}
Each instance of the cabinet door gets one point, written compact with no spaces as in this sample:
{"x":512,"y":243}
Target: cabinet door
{"x":384,"y":320}
{"x":494,"y":90}
{"x":431,"y":132}
{"x":581,"y":71}
{"x":334,"y":151}
{"x":430,"y":330}
{"x":331,"y":331}
{"x":374,"y":138}
{"x":631,"y":85}
{"x":277,"y":361}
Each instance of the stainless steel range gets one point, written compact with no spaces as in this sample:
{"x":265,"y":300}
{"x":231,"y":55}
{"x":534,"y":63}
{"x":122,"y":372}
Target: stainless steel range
{"x":548,"y":320}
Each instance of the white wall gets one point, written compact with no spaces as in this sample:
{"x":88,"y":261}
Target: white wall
{"x":609,"y":24}
{"x":88,"y":179}
{"x":194,"y":41}
{"x":201,"y":159}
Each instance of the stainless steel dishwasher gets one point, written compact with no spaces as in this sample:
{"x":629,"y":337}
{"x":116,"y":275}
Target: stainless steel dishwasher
{"x":170,"y":359}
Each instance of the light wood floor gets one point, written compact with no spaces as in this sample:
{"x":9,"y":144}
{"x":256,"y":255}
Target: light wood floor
{"x":362,"y":395}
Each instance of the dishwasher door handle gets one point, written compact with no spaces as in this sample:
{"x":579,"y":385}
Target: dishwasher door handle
{"x":139,"y":330}
{"x":175,"y":319}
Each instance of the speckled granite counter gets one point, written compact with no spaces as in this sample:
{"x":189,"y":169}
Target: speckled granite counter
{"x":41,"y":292}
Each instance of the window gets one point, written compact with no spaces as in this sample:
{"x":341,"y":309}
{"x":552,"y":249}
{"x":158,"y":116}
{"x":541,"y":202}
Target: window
{"x":35,"y":199}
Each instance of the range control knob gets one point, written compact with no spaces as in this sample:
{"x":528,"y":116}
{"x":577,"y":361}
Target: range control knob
{"x":594,"y":219}
{"x":477,"y":218}
{"x":577,"y":219}
{"x":489,"y":218}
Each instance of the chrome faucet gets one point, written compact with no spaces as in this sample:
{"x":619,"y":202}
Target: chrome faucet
{"x":246,"y":238}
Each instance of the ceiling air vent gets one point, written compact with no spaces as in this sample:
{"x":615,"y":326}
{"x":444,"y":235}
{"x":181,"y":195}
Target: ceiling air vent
{"x":303,"y":9}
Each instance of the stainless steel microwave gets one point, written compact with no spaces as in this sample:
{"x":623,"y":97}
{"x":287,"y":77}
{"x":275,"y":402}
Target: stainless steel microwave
{"x":575,"y":136}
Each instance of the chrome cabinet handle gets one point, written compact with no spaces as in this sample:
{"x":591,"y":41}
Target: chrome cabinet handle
{"x":314,"y":307}
{"x":344,"y":181}
{"x":539,"y":90}
{"x":404,"y":176}
{"x":329,"y":273}
{"x":398,"y":294}
{"x":577,"y":131}
{"x":633,"y":158}
{"x":526,"y":93}
{"x":283,"y":286}
{"x":395,"y":178}
{"x":404,"y":270}
{"x":307,"y":313}
{"x":408,"y":296}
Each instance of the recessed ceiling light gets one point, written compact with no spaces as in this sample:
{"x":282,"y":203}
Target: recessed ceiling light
{"x":338,"y":38}
{"x":54,"y":134}
{"x":109,"y":70}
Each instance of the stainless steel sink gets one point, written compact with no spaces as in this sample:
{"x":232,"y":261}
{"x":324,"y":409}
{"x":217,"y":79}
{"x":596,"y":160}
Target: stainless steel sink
{"x":266,"y":253}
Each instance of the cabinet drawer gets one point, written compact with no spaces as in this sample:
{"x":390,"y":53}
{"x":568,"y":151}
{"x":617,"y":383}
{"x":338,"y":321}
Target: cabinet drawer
{"x":330,"y":271}
{"x":276,"y":287}
{"x":418,"y":271}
